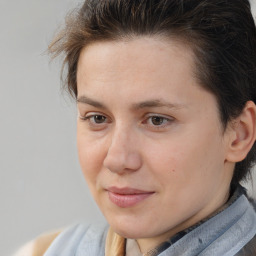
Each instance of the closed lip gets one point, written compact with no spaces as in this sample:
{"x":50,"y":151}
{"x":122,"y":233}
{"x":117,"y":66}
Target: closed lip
{"x":128,"y":191}
{"x":127,"y":197}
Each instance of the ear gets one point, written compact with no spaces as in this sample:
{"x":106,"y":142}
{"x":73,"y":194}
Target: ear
{"x":242,"y":134}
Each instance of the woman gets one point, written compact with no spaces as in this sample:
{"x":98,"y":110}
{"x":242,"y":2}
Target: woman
{"x":166,"y":126}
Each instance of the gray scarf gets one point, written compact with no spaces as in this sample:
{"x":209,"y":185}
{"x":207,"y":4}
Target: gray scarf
{"x":222,"y":235}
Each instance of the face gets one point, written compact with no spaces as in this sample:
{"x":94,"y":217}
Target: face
{"x":150,"y":142}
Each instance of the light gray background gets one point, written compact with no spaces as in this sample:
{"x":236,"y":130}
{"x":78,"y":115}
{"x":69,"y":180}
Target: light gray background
{"x":41,"y":186}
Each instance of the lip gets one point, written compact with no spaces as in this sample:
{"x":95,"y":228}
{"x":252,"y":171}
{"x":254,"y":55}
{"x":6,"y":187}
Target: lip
{"x":127,"y":197}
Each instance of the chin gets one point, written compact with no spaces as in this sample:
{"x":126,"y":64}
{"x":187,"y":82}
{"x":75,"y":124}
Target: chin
{"x":132,"y":228}
{"x":129,"y":228}
{"x":130,"y":233}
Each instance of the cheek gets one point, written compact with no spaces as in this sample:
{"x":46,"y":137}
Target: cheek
{"x":164,"y":163}
{"x":91,"y":156}
{"x":186,"y":158}
{"x":200,"y":164}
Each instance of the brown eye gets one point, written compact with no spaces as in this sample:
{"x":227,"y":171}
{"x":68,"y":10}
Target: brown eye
{"x":157,"y":120}
{"x":99,"y":119}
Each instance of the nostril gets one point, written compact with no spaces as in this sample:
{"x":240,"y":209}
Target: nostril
{"x":124,"y":161}
{"x":114,"y":163}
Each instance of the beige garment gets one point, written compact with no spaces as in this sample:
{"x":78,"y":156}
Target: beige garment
{"x":38,"y":246}
{"x":115,"y":244}
{"x":132,"y":248}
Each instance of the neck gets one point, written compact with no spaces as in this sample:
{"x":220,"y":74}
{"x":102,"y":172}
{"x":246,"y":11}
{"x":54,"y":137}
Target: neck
{"x":147,"y":244}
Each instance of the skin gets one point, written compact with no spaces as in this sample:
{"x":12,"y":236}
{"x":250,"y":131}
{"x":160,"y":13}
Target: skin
{"x":181,"y":156}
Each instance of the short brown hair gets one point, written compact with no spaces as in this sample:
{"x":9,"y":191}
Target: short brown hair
{"x":221,"y":33}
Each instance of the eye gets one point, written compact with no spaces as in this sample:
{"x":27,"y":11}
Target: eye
{"x":95,"y":121}
{"x":158,"y":121}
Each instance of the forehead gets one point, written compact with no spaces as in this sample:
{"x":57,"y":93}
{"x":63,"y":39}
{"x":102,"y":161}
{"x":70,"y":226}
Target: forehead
{"x":139,"y":66}
{"x":139,"y":58}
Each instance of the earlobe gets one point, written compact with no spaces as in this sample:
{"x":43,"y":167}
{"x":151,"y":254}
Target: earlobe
{"x":242,"y":134}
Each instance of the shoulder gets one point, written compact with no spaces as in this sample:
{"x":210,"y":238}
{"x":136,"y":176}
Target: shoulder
{"x":67,"y":241}
{"x":82,"y":237}
{"x":38,"y":246}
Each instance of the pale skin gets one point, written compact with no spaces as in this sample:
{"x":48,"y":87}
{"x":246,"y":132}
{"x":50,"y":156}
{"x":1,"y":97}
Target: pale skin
{"x":145,"y":123}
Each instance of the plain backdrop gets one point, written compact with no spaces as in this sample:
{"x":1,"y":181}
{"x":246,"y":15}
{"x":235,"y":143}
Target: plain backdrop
{"x":41,"y":186}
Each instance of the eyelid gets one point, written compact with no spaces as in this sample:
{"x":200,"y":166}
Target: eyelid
{"x":90,"y":114}
{"x":81,"y":117}
{"x":159,"y":115}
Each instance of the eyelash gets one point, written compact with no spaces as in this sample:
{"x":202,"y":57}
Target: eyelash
{"x":165,"y":120}
{"x":88,"y":118}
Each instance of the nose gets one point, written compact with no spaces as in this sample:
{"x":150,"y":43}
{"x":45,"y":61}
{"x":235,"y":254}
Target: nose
{"x":123,"y":154}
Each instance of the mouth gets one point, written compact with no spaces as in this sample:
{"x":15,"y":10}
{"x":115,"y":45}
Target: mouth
{"x":127,"y":197}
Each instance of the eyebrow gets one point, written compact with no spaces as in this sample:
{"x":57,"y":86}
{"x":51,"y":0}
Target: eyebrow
{"x":94,"y":103}
{"x":154,"y":103}
{"x":157,"y":103}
